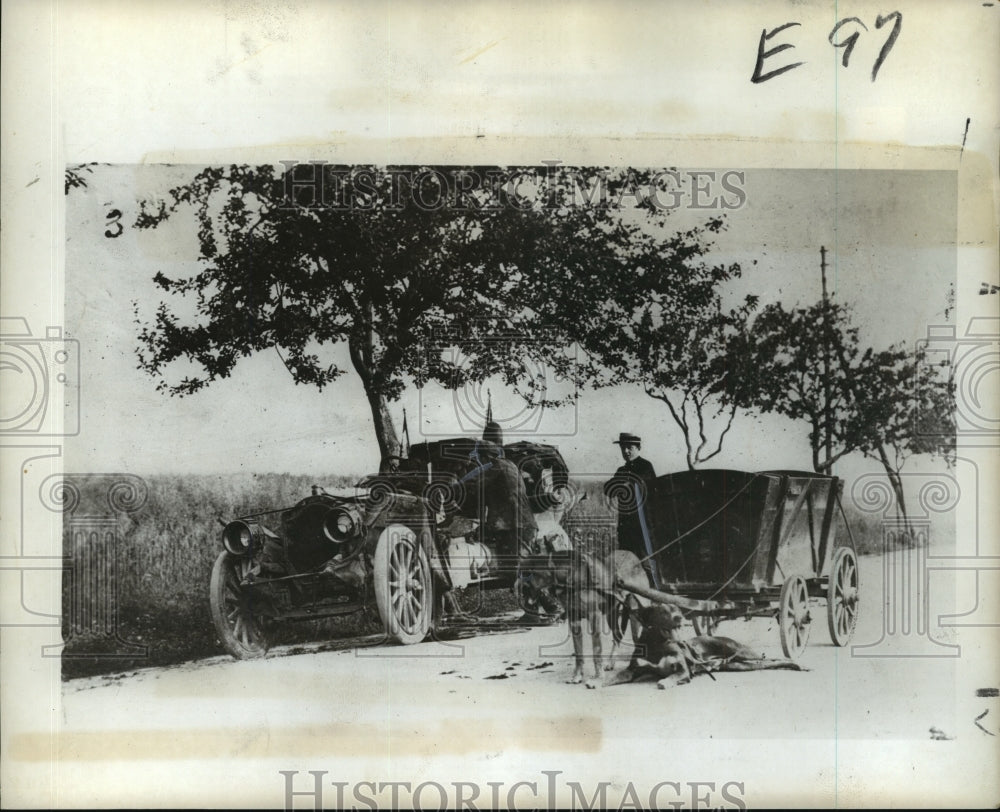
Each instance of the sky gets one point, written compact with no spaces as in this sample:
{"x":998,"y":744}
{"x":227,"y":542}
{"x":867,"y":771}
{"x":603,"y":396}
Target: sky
{"x":890,"y":237}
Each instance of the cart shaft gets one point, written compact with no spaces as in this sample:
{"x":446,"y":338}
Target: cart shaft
{"x":665,"y":597}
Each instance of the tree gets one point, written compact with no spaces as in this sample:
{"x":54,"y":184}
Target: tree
{"x":929,"y":425}
{"x":809,"y":364}
{"x":678,"y":354}
{"x":777,"y":366}
{"x":684,"y":365}
{"x":923,"y":423}
{"x":651,"y":315}
{"x":401,"y":264}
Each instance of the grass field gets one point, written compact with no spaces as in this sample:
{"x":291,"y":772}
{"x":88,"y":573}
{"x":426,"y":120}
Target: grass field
{"x":149,"y":585}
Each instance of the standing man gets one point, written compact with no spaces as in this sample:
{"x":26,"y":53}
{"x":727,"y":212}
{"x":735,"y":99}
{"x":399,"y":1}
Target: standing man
{"x":630,"y":487}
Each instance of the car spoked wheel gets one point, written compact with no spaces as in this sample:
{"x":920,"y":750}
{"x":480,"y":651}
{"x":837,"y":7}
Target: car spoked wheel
{"x":240,"y":627}
{"x":404,"y":591}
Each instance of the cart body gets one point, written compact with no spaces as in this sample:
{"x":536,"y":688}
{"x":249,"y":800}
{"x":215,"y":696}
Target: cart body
{"x":732,"y":534}
{"x":743,"y":544}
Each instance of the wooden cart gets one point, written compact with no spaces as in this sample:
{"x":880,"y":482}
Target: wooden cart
{"x":732,"y":544}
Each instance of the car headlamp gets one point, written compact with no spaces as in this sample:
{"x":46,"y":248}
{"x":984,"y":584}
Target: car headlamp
{"x":342,"y":524}
{"x":242,"y":538}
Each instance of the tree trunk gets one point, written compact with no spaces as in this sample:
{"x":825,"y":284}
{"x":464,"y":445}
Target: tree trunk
{"x":385,"y":429}
{"x":896,"y":482}
{"x":814,"y":445}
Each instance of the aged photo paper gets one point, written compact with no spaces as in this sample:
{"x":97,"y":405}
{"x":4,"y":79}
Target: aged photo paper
{"x":358,"y":358}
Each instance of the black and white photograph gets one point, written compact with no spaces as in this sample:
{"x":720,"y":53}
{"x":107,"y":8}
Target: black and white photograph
{"x":495,"y":408}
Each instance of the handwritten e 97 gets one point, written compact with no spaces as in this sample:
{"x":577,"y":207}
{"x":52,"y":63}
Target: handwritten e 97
{"x":845,"y":34}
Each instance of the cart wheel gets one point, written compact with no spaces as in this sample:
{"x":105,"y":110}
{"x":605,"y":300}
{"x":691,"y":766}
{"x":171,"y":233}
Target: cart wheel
{"x":705,"y":625}
{"x":842,"y":596}
{"x":403,"y":585}
{"x":793,"y":616}
{"x":242,"y":630}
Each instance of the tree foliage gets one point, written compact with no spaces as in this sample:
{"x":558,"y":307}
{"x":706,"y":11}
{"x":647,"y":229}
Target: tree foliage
{"x":493,"y":281}
{"x":808,"y":363}
{"x":73,"y":177}
{"x":649,"y":313}
{"x":677,"y":351}
{"x":924,"y":419}
{"x":683,"y":362}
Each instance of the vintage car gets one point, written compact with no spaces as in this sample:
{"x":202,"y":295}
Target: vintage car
{"x":400,"y":540}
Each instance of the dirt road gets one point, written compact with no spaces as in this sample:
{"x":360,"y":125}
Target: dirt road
{"x":498,"y":703}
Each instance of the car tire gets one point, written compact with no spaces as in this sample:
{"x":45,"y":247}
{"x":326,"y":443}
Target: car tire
{"x":404,"y":585}
{"x":241,"y":629}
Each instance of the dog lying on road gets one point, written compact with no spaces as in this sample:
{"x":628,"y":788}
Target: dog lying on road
{"x":661,"y":653}
{"x":586,"y":584}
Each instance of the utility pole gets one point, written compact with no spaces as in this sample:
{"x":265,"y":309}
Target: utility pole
{"x":827,"y":417}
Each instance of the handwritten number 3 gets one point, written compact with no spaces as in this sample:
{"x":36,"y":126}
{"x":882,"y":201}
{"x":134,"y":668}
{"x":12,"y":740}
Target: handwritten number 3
{"x":114,"y":217}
